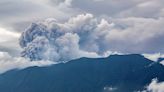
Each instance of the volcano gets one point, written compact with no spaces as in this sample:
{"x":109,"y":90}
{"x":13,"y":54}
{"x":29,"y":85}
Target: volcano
{"x":116,"y":73}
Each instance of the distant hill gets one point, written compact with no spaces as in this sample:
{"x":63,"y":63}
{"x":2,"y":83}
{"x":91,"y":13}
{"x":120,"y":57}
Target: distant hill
{"x":116,"y":73}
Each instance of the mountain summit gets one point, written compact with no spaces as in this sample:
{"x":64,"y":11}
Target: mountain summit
{"x":116,"y":73}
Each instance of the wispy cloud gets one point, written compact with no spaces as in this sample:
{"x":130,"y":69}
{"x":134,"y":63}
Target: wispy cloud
{"x":8,"y":62}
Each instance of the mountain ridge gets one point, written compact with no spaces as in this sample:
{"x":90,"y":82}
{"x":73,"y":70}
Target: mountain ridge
{"x":126,"y":73}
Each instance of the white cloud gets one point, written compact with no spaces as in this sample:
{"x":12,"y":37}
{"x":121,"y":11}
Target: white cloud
{"x":154,"y":86}
{"x":149,"y":9}
{"x":17,"y":14}
{"x":9,"y":41}
{"x":162,"y":62}
{"x":69,"y":47}
{"x":68,"y":2}
{"x":7,"y":35}
{"x":109,"y":89}
{"x":154,"y":57}
{"x":7,"y":62}
{"x":138,"y":35}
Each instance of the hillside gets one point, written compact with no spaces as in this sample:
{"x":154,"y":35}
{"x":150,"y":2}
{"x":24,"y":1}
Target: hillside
{"x":116,"y":73}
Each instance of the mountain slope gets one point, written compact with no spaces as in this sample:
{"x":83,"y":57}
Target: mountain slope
{"x":125,"y":73}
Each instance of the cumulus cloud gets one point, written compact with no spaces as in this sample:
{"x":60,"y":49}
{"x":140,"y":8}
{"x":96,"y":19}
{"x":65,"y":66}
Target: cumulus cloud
{"x":18,"y":18}
{"x":8,"y":62}
{"x":78,"y":37}
{"x":13,"y":16}
{"x":91,"y":37}
{"x":154,"y":86}
{"x":135,"y":32}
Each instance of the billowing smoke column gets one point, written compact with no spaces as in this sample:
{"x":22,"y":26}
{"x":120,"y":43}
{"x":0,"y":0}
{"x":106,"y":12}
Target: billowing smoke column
{"x":81,"y":36}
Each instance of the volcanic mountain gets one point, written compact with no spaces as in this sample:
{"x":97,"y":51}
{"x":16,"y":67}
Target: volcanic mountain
{"x":116,"y":73}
